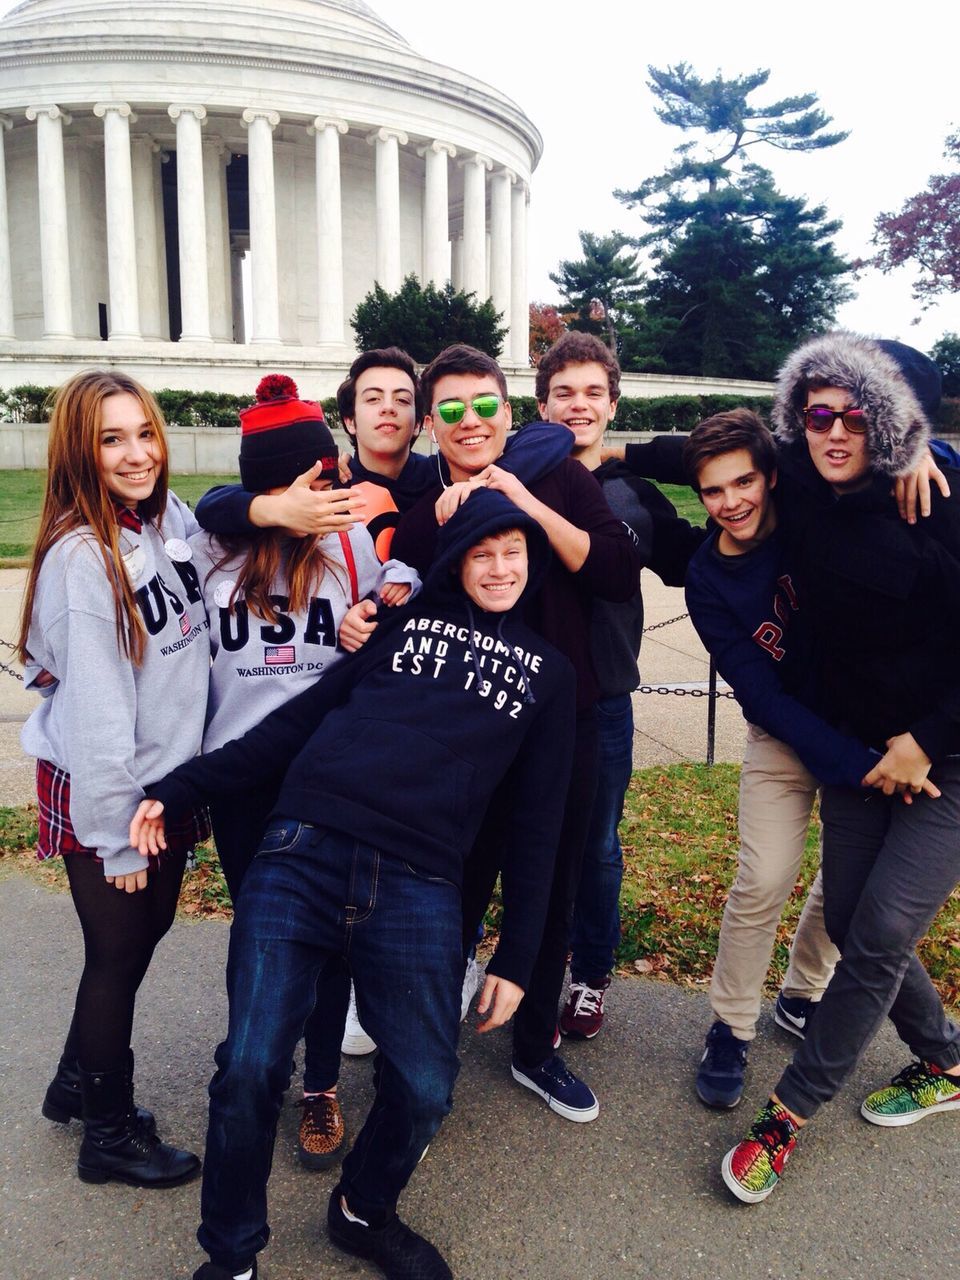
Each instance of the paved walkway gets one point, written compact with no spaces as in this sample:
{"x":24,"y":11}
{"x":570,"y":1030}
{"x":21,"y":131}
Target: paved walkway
{"x":508,"y":1190}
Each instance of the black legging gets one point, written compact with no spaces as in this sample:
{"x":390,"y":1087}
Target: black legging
{"x":120,"y":932}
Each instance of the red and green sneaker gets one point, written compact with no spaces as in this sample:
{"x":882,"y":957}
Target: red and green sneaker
{"x":753,"y":1167}
{"x":919,"y":1090}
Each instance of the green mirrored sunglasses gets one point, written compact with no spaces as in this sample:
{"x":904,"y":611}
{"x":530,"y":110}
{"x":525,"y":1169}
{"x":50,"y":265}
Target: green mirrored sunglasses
{"x":451,"y":411}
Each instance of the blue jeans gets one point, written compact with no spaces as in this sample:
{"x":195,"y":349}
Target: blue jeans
{"x":238,"y":827}
{"x":887,"y":869}
{"x":315,"y":898}
{"x":596,"y":918}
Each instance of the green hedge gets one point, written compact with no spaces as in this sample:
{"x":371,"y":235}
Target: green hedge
{"x":179,"y":408}
{"x":218,"y":409}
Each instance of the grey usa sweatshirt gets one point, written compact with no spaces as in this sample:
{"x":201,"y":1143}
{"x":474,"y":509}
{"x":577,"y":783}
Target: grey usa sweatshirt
{"x":111,"y":725}
{"x":259,"y":665}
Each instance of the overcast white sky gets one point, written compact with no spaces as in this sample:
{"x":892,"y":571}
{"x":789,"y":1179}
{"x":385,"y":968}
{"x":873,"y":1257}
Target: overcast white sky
{"x":887,"y":73}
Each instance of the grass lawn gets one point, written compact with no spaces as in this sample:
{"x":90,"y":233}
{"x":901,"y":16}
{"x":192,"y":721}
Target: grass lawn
{"x":686,"y":501}
{"x":679,"y":837}
{"x":21,"y":493}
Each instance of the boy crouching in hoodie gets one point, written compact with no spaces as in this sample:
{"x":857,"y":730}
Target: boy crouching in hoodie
{"x":388,"y":764}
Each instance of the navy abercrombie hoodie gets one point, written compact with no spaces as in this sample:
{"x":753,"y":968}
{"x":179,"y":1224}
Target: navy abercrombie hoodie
{"x":403,"y":745}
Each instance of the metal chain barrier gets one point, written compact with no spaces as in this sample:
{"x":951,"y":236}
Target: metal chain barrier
{"x":3,"y":666}
{"x":668,"y":689}
{"x":711,"y":693}
{"x":669,"y":622}
{"x":684,"y":693}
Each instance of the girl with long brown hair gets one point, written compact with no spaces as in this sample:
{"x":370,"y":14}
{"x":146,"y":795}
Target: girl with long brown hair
{"x":122,"y":630}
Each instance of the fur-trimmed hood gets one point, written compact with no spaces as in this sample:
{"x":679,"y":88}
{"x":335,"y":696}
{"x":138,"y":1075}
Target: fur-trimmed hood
{"x":896,"y":386}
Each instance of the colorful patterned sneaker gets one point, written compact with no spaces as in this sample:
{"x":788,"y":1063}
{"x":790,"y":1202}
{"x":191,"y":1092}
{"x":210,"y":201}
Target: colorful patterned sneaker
{"x":754,"y":1166}
{"x":917,"y":1091}
{"x":322,"y":1132}
{"x":722,"y":1068}
{"x":560,"y":1089}
{"x":793,"y":1013}
{"x":582,"y":1015}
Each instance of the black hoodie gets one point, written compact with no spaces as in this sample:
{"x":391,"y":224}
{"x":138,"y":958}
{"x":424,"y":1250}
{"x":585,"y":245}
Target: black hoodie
{"x":403,"y":745}
{"x":882,"y":597}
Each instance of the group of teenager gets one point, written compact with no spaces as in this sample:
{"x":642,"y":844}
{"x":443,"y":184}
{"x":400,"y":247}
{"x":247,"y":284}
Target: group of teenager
{"x":392,"y":683}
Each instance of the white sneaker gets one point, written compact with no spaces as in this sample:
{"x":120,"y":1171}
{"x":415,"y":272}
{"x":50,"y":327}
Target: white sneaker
{"x":355,"y":1042}
{"x":471,"y":980}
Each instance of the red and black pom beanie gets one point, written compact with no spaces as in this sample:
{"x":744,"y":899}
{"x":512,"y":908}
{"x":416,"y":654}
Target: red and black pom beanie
{"x":283,"y":436}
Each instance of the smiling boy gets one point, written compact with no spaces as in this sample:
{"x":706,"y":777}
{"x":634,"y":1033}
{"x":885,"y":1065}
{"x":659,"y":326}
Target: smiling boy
{"x":379,"y":405}
{"x":385,"y":768}
{"x":748,"y":610}
{"x":469,"y":417}
{"x":578,"y":386}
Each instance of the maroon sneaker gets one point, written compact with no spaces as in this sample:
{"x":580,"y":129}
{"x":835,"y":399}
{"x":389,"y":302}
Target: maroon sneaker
{"x":582,"y":1015}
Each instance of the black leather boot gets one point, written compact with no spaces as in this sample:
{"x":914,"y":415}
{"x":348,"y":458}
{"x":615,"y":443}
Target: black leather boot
{"x":114,"y":1148}
{"x":62,"y":1102}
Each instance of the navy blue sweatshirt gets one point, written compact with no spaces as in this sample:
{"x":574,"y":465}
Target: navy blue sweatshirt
{"x":403,"y":745}
{"x":881,"y":598}
{"x":749,"y":615}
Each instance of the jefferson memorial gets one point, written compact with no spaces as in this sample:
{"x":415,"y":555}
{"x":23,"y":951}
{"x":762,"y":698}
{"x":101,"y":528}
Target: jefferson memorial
{"x":146,"y":149}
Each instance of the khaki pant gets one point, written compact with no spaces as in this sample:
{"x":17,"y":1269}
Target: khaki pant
{"x":776,"y":797}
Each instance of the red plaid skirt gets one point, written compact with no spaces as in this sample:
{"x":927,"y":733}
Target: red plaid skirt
{"x":55,"y":830}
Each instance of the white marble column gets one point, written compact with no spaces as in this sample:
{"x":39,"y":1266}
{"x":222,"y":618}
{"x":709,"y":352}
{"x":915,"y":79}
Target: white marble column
{"x":501,"y":247}
{"x":124,"y":311}
{"x":265,"y":321}
{"x":328,"y":132}
{"x":388,"y":143}
{"x":456,"y":262}
{"x":216,"y":157}
{"x":436,"y":213}
{"x":54,"y":242}
{"x":6,"y":273}
{"x":151,"y":262}
{"x":519,"y":302}
{"x":474,"y":225}
{"x":192,"y":225}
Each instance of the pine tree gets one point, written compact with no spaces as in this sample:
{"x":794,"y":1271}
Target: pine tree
{"x":741,"y":271}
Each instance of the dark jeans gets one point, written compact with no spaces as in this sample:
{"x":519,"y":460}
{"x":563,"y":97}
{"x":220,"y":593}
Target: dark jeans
{"x":596,"y":916}
{"x":535,"y":1022}
{"x":311,"y":897}
{"x":887,"y":869}
{"x":238,"y":827}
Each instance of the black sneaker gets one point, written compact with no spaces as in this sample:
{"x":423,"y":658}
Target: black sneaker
{"x":793,"y":1013}
{"x":399,"y":1252}
{"x":210,"y":1271}
{"x":722,"y":1068}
